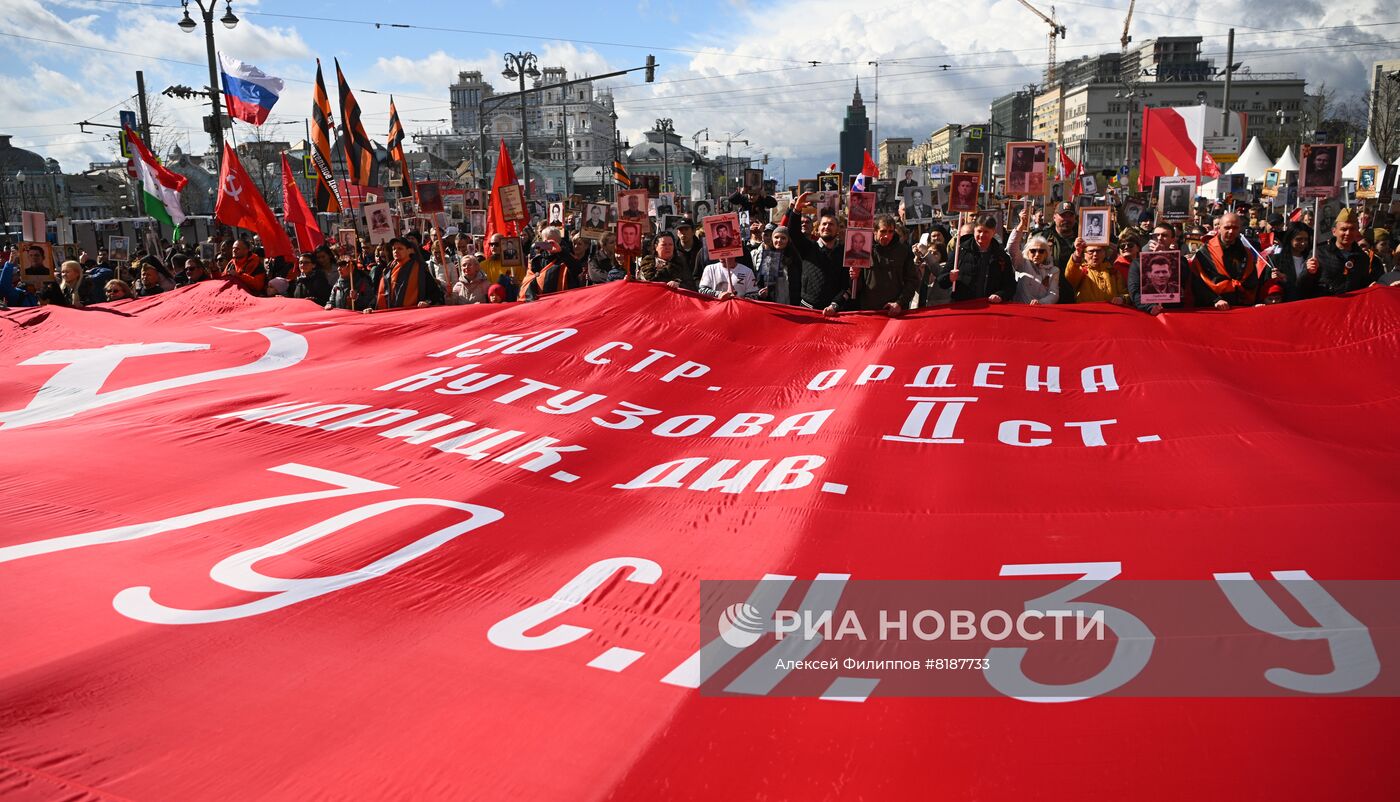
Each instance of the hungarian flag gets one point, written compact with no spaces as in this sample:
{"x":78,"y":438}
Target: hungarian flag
{"x":327,"y":191}
{"x":241,"y":205}
{"x":496,"y":222}
{"x":160,"y":186}
{"x":296,"y":212}
{"x":359,"y":151}
{"x":396,"y":145}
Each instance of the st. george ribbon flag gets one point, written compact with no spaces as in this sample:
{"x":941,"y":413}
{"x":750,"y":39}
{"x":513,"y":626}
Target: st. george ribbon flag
{"x":253,"y":549}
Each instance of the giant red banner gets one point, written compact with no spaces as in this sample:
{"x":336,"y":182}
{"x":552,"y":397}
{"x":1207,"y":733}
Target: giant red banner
{"x":251,"y":549}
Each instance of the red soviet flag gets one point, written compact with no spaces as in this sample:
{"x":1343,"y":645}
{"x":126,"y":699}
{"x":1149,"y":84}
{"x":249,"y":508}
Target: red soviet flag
{"x":242,"y":206}
{"x":296,"y":212}
{"x":1209,"y":168}
{"x":496,"y":222}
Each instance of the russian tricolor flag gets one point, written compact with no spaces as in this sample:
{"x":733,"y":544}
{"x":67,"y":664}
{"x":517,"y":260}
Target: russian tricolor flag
{"x":249,"y":92}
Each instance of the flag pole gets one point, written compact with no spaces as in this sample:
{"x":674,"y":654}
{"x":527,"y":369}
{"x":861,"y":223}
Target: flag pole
{"x":957,"y":247}
{"x":1317,"y":218}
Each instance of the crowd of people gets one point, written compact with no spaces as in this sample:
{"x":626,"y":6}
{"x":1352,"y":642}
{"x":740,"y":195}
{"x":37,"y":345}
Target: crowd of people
{"x":1231,"y":256}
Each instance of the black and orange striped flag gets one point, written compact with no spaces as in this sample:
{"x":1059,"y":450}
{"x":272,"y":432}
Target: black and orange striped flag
{"x":396,"y":144}
{"x":327,"y":192}
{"x":620,"y":175}
{"x":359,"y":151}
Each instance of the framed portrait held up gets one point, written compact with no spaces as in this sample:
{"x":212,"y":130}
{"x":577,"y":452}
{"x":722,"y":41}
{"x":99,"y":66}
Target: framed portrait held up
{"x":1161,"y":277}
{"x":1026,"y":164}
{"x":857,"y":248}
{"x":512,"y":202}
{"x":962,"y":192}
{"x":1270,"y":187}
{"x":1096,"y":224}
{"x":632,"y":204}
{"x":1368,"y":181}
{"x":1174,"y":198}
{"x":1319,"y":171}
{"x":722,"y":239}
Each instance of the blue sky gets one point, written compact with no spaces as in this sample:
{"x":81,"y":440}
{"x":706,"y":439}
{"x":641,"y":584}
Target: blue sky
{"x":726,"y":65}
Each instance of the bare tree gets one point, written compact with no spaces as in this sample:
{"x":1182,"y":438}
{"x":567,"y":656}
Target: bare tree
{"x":165,"y":134}
{"x":1382,"y":109}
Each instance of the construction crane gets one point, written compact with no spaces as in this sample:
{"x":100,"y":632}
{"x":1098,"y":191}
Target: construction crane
{"x":1056,"y":30}
{"x":1126,"y":22}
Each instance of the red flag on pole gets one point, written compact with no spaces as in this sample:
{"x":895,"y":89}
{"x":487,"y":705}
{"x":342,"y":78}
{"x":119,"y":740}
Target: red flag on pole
{"x":869,"y":168}
{"x":296,"y":212}
{"x":242,"y":206}
{"x":1209,"y":168}
{"x":496,"y":222}
{"x":1068,"y":168}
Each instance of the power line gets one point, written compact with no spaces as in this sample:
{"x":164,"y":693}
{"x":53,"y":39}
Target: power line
{"x":380,"y":24}
{"x":201,"y":65}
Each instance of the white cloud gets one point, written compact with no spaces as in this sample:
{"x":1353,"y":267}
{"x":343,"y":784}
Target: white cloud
{"x":795,"y":111}
{"x":752,"y":76}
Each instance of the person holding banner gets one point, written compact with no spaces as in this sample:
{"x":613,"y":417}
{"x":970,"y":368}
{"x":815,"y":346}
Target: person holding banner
{"x":661,"y":265}
{"x":728,"y":279}
{"x":823,"y":275}
{"x":554,"y":269}
{"x":1061,"y":235}
{"x":77,"y":290}
{"x":1289,"y":259}
{"x":890,"y":282}
{"x":980,"y":267}
{"x":1093,"y":277}
{"x":1037,"y":278}
{"x":407,"y":283}
{"x":340,"y":297}
{"x":1225,"y":270}
{"x":1162,"y":238}
{"x":1340,"y":265}
{"x":246,"y":268}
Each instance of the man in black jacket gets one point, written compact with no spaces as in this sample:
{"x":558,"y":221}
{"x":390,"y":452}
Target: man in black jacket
{"x":690,"y":260}
{"x":891,"y":280}
{"x":823,"y":276}
{"x":1341,"y":265}
{"x":981,"y":268}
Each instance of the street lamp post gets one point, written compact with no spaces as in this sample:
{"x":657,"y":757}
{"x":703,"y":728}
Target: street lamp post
{"x":1129,"y":96}
{"x":20,"y":179}
{"x":617,"y":150}
{"x":188,"y":25}
{"x":666,"y":127}
{"x":520,"y":66}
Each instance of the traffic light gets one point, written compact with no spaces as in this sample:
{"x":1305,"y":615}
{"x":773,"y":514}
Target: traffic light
{"x":651,"y":68}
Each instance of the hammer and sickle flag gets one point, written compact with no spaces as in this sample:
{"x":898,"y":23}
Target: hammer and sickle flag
{"x":241,"y":205}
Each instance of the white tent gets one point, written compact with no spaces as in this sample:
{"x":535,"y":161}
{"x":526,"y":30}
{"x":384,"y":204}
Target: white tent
{"x":1367,"y":155}
{"x":1287,"y":161}
{"x":1253,"y":162}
